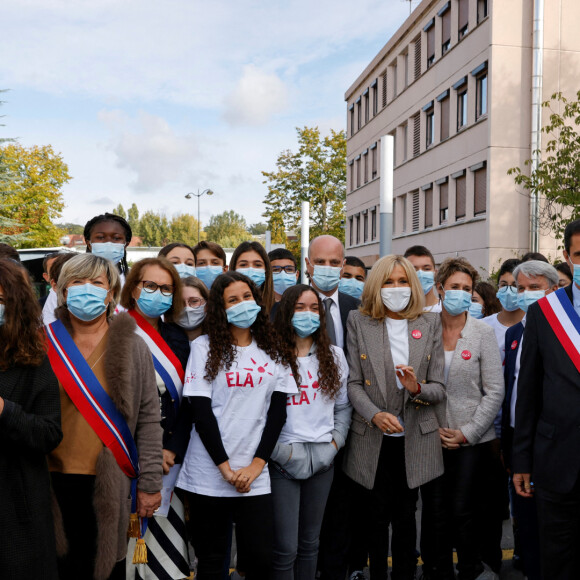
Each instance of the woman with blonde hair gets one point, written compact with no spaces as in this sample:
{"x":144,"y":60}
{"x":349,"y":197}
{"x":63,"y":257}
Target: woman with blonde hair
{"x":395,"y":355}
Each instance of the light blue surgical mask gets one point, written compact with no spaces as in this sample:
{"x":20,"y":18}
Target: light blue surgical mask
{"x":1,"y":314}
{"x":326,"y":278}
{"x":508,"y":298}
{"x":243,"y":314}
{"x":256,"y":275}
{"x":427,"y":280}
{"x":154,"y":304}
{"x":207,"y":274}
{"x":476,"y":310}
{"x":109,"y":250}
{"x":528,"y":297}
{"x":86,"y":302}
{"x":575,"y":272}
{"x":283,"y":281}
{"x":351,"y":286}
{"x":456,"y":301}
{"x":305,"y":323}
{"x":184,"y":270}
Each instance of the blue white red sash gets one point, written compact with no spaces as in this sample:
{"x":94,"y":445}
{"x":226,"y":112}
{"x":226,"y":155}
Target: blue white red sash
{"x":89,"y":397}
{"x":165,"y":362}
{"x":565,"y":322}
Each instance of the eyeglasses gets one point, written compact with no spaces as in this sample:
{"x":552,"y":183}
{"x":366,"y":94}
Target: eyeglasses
{"x":194,"y":302}
{"x":287,"y":269}
{"x":148,"y":286}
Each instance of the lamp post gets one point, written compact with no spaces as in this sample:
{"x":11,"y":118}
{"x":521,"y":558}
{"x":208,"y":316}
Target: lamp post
{"x":198,"y":195}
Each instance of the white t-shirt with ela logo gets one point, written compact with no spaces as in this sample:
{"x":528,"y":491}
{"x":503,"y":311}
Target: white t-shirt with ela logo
{"x":310,"y":414}
{"x":240,"y":399}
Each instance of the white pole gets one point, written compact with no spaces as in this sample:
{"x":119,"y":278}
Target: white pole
{"x":268,"y":240}
{"x":386,"y":195}
{"x":305,"y":240}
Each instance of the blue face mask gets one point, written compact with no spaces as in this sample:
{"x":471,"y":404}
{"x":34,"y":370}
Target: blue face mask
{"x":109,"y":251}
{"x":207,"y":274}
{"x":1,"y":314}
{"x":243,"y":314}
{"x":326,"y":278}
{"x":351,"y":286}
{"x":283,"y":281}
{"x":256,"y":275}
{"x":184,"y":270}
{"x":427,"y":280}
{"x":86,"y":302}
{"x":305,"y":323}
{"x":508,"y":298}
{"x":475,"y":310}
{"x":456,"y":301}
{"x":154,"y":304}
{"x":528,"y":297}
{"x":575,"y":272}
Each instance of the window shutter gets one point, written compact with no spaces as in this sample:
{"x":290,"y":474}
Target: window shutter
{"x":443,"y":201}
{"x":431,"y":42}
{"x":480,"y":202}
{"x":384,"y":75}
{"x":460,"y":186}
{"x":446,"y":27}
{"x":444,"y":118}
{"x":417,"y":57}
{"x":415,"y":211}
{"x":463,"y":13}
{"x":429,"y":207}
{"x":416,"y":134}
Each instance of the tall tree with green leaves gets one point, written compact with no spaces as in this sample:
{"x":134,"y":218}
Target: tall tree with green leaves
{"x":120,"y":211}
{"x":154,"y":228}
{"x":133,"y":218}
{"x":184,"y":229}
{"x":557,"y":177}
{"x":228,"y":229}
{"x":316,"y":173}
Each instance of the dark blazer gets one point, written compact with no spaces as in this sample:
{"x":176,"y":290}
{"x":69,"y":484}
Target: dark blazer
{"x":547,"y":433}
{"x":29,"y":428}
{"x":513,"y":338}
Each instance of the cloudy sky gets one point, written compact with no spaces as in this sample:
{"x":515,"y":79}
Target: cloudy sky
{"x":149,"y":100}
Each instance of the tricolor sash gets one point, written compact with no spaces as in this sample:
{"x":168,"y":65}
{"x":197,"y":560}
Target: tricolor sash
{"x":165,"y":362}
{"x":89,"y":397}
{"x":564,"y":321}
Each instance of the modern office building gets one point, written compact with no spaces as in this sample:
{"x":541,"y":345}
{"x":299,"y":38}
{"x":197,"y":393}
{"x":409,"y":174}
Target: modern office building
{"x":454,"y":88}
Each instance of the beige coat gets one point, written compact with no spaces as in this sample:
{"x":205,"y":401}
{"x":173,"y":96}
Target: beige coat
{"x":370,"y":378}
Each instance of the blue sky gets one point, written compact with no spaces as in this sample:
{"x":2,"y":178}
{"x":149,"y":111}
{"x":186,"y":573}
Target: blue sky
{"x":148,"y":100}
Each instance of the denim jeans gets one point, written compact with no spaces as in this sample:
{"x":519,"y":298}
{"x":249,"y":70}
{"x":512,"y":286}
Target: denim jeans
{"x":298,"y":509}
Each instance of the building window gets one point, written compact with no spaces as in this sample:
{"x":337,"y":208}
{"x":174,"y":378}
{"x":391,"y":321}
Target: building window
{"x":351,"y":109}
{"x":417,"y":70}
{"x":481,"y":10}
{"x":374,"y":161}
{"x":430,"y":30}
{"x":358,"y":228}
{"x":461,"y":109}
{"x":416,"y":134}
{"x":444,"y":117}
{"x":394,"y":78}
{"x":384,"y":75}
{"x":430,"y":121}
{"x":463,"y":21}
{"x":375,"y":89}
{"x":415,"y":222}
{"x":460,"y":196}
{"x":350,"y":231}
{"x":358,"y":171}
{"x":403,"y":204}
{"x":429,"y":207}
{"x":374,"y":224}
{"x":351,"y":175}
{"x":365,"y":226}
{"x":446,"y":29}
{"x":366,"y":166}
{"x":406,"y":71}
{"x":358,"y":114}
{"x":481,"y":96}
{"x":395,"y":146}
{"x":480,"y":190}
{"x":405,"y":140}
{"x":367,"y":106}
{"x":443,"y":202}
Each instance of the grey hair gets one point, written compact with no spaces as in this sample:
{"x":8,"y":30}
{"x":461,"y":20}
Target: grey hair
{"x":89,"y":266}
{"x":534,"y":268}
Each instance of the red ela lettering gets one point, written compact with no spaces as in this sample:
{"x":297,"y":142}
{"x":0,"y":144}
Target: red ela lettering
{"x":294,"y":400}
{"x":234,"y":380}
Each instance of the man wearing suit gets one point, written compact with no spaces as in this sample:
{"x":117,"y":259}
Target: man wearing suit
{"x":534,"y":279}
{"x":546,"y":462}
{"x":324,"y":264}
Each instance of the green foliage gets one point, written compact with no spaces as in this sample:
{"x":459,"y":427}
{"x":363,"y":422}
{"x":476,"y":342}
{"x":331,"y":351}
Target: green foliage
{"x":157,"y":230}
{"x":315,"y":173}
{"x":228,"y":229}
{"x":120,"y":211}
{"x":184,"y":229}
{"x":258,"y":229}
{"x":69,"y":228}
{"x":133,"y":219}
{"x":557,"y":178}
{"x":154,"y":229}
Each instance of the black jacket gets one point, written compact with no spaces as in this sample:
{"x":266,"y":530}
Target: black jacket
{"x":29,"y":429}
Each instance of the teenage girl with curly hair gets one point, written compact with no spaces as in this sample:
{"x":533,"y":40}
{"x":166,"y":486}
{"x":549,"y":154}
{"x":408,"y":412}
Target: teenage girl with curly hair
{"x":317,"y":423}
{"x":238,"y":377}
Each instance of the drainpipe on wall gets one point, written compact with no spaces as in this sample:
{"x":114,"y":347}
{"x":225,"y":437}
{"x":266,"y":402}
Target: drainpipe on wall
{"x":537,"y":64}
{"x":386,"y":195}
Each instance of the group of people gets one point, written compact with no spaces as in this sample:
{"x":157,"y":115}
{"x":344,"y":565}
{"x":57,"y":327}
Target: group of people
{"x":149,"y":409}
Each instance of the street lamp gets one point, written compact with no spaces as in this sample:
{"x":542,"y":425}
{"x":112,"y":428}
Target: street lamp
{"x":198,"y":195}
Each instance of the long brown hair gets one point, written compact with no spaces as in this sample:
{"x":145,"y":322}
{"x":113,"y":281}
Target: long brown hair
{"x":328,"y":372}
{"x":22,"y":342}
{"x":221,"y":342}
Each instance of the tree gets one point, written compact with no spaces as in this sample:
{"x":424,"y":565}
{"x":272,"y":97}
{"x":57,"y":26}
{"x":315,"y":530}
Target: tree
{"x":184,"y":228}
{"x":228,"y":229}
{"x":258,"y":229}
{"x":69,"y":228}
{"x":315,"y":173}
{"x":133,"y":218}
{"x":33,"y":196}
{"x":120,"y":211}
{"x":557,"y":177}
{"x":154,"y":229}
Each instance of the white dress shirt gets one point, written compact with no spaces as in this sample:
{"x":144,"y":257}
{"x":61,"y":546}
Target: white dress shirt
{"x":515,"y":387}
{"x":335,"y":312}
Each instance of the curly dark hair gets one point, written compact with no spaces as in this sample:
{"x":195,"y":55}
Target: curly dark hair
{"x":110,"y":217}
{"x":221,"y":341}
{"x":21,"y":338}
{"x":328,"y":372}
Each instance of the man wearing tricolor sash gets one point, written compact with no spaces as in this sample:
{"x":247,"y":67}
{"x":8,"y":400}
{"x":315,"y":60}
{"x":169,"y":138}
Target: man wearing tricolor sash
{"x":546,"y":462}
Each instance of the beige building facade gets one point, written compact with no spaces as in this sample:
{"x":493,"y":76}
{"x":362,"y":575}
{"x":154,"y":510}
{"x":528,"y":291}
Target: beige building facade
{"x":454,"y":88}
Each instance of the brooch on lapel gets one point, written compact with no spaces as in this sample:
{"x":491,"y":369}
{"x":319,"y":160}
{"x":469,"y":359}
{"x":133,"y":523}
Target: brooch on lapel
{"x":514,"y":345}
{"x":417,"y":334}
{"x":465,"y":355}
{"x":363,"y":356}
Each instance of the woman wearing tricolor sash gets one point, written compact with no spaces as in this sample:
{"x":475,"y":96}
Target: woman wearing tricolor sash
{"x":109,"y":462}
{"x":153,"y":290}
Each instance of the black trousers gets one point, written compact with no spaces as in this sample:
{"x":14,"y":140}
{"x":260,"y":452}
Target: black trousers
{"x":211,"y":521}
{"x":74,"y":494}
{"x":559,"y":525}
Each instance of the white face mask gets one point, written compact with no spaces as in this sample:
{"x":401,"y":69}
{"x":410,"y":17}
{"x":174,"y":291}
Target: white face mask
{"x":396,"y":299}
{"x":191,"y":318}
